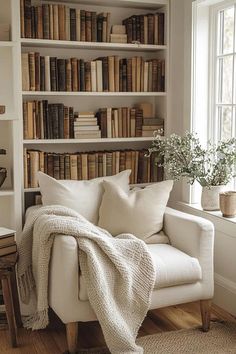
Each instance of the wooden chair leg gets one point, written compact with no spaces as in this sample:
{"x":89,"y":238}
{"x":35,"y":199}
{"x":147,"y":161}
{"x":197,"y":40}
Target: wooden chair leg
{"x":8,"y":301}
{"x":16,"y":300}
{"x":72,"y":336}
{"x":205,"y":306}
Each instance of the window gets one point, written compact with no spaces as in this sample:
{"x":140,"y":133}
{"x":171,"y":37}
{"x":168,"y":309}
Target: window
{"x":223,"y":125}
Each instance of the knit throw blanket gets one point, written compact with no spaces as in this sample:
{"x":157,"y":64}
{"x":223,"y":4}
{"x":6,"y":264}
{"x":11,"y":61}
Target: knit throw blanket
{"x":118,"y":271}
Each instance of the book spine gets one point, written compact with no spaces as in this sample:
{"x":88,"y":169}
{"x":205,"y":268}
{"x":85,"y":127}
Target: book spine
{"x":72,"y":24}
{"x":53,"y":73}
{"x":88,"y":26}
{"x":61,"y":22}
{"x":82,"y":26}
{"x":22,"y":18}
{"x":27,"y":18}
{"x":32,"y":70}
{"x":61,"y":72}
{"x":51,"y":20}
{"x":46,"y":21}
{"x":74,"y":74}
{"x":93,"y":26}
{"x":111,"y":73}
{"x":37,"y":72}
{"x":78,"y":24}
{"x":68,"y":75}
{"x":55,"y":22}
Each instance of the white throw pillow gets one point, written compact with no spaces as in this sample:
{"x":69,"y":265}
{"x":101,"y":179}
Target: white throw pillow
{"x":138,"y":212}
{"x":82,"y":196}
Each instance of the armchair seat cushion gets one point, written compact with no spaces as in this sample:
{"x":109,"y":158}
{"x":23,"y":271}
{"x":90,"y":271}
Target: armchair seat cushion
{"x":174,"y":267}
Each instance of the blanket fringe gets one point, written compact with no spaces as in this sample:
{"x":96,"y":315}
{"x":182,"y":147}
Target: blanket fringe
{"x":38,"y":320}
{"x":26,"y":284}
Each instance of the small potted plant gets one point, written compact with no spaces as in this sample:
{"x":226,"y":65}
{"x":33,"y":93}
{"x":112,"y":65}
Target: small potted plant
{"x":212,"y":167}
{"x":3,"y":171}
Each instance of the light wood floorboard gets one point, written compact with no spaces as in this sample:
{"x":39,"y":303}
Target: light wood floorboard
{"x":53,"y":339}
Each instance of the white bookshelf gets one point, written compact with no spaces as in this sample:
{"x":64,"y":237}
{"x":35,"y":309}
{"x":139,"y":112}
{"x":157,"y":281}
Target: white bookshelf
{"x":14,"y":194}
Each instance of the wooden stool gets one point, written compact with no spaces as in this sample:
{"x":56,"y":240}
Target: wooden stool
{"x":10,"y":294}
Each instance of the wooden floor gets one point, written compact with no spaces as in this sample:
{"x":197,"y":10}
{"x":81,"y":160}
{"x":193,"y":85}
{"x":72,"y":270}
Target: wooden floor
{"x":53,"y":339}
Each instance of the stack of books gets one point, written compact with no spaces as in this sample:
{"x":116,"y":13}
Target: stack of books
{"x":151,"y":125}
{"x":60,"y":22}
{"x":7,"y":242}
{"x":146,"y":29}
{"x":88,"y":165}
{"x":86,"y":126}
{"x":104,"y":74}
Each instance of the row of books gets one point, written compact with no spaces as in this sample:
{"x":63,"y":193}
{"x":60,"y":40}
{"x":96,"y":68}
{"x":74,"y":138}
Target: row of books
{"x":44,"y":120}
{"x":88,"y":165}
{"x":7,"y":242}
{"x":106,"y":74}
{"x":145,"y":29}
{"x":60,"y":22}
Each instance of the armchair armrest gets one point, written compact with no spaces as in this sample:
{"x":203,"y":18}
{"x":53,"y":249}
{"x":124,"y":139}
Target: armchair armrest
{"x":194,"y":236}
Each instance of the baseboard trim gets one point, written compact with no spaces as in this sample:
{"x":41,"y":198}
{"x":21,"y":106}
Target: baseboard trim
{"x":225,"y":283}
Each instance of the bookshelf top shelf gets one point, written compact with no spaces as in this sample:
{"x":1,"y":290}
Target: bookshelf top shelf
{"x":84,"y":141}
{"x":86,"y":93}
{"x":50,"y":43}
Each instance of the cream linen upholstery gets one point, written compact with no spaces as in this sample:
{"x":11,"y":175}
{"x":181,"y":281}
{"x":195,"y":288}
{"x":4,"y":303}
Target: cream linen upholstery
{"x":191,"y":239}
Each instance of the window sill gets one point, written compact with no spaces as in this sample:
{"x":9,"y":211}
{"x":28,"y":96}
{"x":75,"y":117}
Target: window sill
{"x":221,"y":223}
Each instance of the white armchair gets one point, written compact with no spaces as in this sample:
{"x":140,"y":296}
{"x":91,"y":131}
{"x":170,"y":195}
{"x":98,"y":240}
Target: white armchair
{"x":184,"y":272}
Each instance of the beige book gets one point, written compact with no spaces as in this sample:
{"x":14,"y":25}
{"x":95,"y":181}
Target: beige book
{"x":47,"y":74}
{"x":136,"y":167}
{"x":86,"y":128}
{"x":145,"y":29}
{"x":104,"y":28}
{"x":138,"y":75}
{"x":145,"y":77}
{"x":142,"y":76}
{"x":78,"y":25}
{"x":118,"y":29}
{"x":93,"y":76}
{"x":109,"y":129}
{"x":86,"y":114}
{"x":34,"y":167}
{"x":41,"y":120}
{"x":84,"y":160}
{"x":51,"y":20}
{"x":25,"y":71}
{"x":99,"y":75}
{"x":132,"y":122}
{"x":73,"y":167}
{"x":41,"y":161}
{"x":108,"y":29}
{"x":147,"y":109}
{"x":32,"y":70}
{"x":111,"y":73}
{"x":118,"y":38}
{"x":156,"y":29}
{"x":151,"y":127}
{"x":120,"y":123}
{"x":134,"y":73}
{"x":26,"y":180}
{"x":67,"y":23}
{"x":128,"y":122}
{"x":104,"y":164}
{"x":117,"y":170}
{"x":117,"y":74}
{"x":150,"y":79}
{"x":116,"y":123}
{"x":147,"y":134}
{"x":55,"y":23}
{"x":30,"y":119}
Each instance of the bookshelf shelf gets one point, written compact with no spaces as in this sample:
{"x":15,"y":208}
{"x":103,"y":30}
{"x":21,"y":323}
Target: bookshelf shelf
{"x":49,"y":43}
{"x":84,"y":93}
{"x":84,"y":141}
{"x":6,"y":193}
{"x":7,"y":44}
{"x":138,"y":4}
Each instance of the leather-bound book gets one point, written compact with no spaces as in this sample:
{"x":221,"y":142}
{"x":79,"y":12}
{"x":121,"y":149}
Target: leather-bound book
{"x":53,"y":73}
{"x":128,"y":163}
{"x":26,"y":169}
{"x":133,"y":122}
{"x":25,"y":71}
{"x":82,"y":26}
{"x":134,"y":28}
{"x":100,"y":164}
{"x":122,"y":161}
{"x":99,"y":75}
{"x":161,"y":28}
{"x":46,"y":22}
{"x":145,"y":76}
{"x":74,"y":74}
{"x":78,"y":73}
{"x":129,"y":29}
{"x":45,"y":118}
{"x":142,"y":75}
{"x":138,"y":29}
{"x":117,"y":74}
{"x":30,"y":119}
{"x":73,"y":24}
{"x":99,"y":27}
{"x":55,"y":22}
{"x":54,"y":120}
{"x":68,"y":75}
{"x":111,"y":73}
{"x":93,"y":26}
{"x":47,"y":74}
{"x":27,"y":18}
{"x":33,"y":22}
{"x":158,"y":75}
{"x":62,"y":22}
{"x":51,"y":29}
{"x":150,"y":78}
{"x":34,"y":167}
{"x":104,"y":27}
{"x":134,"y":74}
{"x":42,"y":73}
{"x":39,"y":22}
{"x":102,"y":121}
{"x":108,"y":26}
{"x":145,"y":23}
{"x":120,"y":129}
{"x":73,"y":167}
{"x":50,"y":164}
{"x":124,"y":75}
{"x":128,"y":122}
{"x":104,"y":164}
{"x":50,"y":122}
{"x":93,"y":76}
{"x":88,"y":76}
{"x":124,"y":122}
{"x":150,"y":28}
{"x":163,"y":75}
{"x":67,"y":23}
{"x":22,"y":18}
{"x":62,"y":166}
{"x":82,"y":75}
{"x":156,"y":29}
{"x":37,"y":72}
{"x":66,"y":123}
{"x":138,"y":75}
{"x":40,"y":108}
{"x":67,"y":166}
{"x":61,"y":70}
{"x":56,"y":166}
{"x":60,"y":109}
{"x":141,"y":29}
{"x":109,"y":163}
{"x":45,"y":163}
{"x":138,"y":122}
{"x":71,"y":122}
{"x":25,"y":121}
{"x":105,"y":74}
{"x":121,"y":75}
{"x":109,"y":120}
{"x":78,"y":24}
{"x":88,"y":26}
{"x":84,"y":160}
{"x":79,"y":167}
{"x":91,"y":166}
{"x":32,"y":70}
